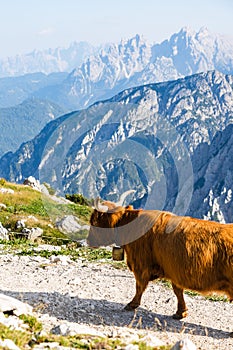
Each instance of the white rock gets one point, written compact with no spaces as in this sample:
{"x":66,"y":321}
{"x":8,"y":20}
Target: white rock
{"x":6,"y":190}
{"x":131,"y":347}
{"x":32,"y":217}
{"x":62,"y":329}
{"x":33,"y":182}
{"x":35,"y":232}
{"x":12,"y":321}
{"x":11,"y":304}
{"x":184,"y":344}
{"x":48,"y":247}
{"x":8,"y":344}
{"x":83,"y":329}
{"x":52,"y":345}
{"x":63,"y":259}
{"x":3,"y":232}
{"x":68,"y":224}
{"x":152,"y":341}
{"x":20,"y":224}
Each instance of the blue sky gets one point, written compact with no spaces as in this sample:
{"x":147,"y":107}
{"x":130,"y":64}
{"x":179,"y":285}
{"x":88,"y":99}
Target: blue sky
{"x":26,"y":25}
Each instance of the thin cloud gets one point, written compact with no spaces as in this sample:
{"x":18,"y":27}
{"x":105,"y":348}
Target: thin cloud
{"x":46,"y":31}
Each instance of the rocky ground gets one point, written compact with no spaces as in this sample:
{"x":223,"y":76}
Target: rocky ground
{"x":84,"y":297}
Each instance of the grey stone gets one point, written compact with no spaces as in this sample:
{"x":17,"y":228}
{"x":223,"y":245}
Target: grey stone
{"x":35,"y":232}
{"x":68,"y":224}
{"x":62,"y":329}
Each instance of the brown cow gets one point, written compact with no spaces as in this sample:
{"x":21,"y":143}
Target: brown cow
{"x":193,"y":254}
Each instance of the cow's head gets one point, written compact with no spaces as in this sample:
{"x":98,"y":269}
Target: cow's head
{"x":104,"y":222}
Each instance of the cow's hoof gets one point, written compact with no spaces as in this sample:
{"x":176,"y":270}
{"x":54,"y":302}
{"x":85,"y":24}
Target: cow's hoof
{"x":130,"y":307}
{"x":179,"y":316}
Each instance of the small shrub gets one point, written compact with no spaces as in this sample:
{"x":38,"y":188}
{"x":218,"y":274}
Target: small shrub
{"x":78,"y":199}
{"x":2,"y":181}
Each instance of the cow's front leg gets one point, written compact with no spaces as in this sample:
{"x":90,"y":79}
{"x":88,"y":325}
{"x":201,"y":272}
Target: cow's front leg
{"x":135,"y":302}
{"x":182,"y":308}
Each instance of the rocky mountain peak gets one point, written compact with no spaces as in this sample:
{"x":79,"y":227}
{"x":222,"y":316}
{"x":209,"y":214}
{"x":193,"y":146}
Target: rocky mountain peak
{"x":156,"y":139}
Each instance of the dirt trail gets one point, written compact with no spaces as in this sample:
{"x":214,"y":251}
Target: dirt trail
{"x":90,"y":297}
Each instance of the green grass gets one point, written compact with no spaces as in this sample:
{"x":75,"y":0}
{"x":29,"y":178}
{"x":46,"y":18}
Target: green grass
{"x":20,"y":338}
{"x":25,"y":202}
{"x":193,"y":293}
{"x":30,"y":337}
{"x":25,"y":247}
{"x":82,"y":252}
{"x":31,"y":321}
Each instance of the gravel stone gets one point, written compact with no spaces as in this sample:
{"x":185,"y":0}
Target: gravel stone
{"x":90,"y":298}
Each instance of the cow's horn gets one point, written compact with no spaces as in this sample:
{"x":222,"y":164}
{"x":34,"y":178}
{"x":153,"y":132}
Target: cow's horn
{"x":98,"y":206}
{"x":123,"y":196}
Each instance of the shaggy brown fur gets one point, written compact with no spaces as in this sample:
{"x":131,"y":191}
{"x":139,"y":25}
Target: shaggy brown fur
{"x":191,"y":253}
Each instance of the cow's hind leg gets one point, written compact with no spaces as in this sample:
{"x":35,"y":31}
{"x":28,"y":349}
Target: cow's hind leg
{"x":135,"y":302}
{"x":182,"y":308}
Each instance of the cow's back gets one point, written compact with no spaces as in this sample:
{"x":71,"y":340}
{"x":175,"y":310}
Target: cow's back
{"x":196,"y":253}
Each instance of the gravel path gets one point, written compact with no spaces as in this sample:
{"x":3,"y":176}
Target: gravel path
{"x":89,"y":298}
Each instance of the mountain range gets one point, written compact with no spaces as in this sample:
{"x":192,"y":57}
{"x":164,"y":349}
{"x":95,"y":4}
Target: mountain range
{"x":153,"y":117}
{"x":46,"y":61}
{"x":91,"y":75}
{"x":171,"y":142}
{"x":24,"y":121}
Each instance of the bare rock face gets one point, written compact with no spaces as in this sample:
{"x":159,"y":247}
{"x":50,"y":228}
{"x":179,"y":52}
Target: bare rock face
{"x":157,"y":139}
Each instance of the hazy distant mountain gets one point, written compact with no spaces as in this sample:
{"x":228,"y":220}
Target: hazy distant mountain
{"x":136,"y":62}
{"x":24,"y":121}
{"x":169,"y":141}
{"x":15,"y":90}
{"x":100,"y":73}
{"x":192,"y":52}
{"x":46,"y":61}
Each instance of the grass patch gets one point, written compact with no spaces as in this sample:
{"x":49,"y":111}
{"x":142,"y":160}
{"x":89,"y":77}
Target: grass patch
{"x":35,"y":207}
{"x":216,"y":297}
{"x":193,"y":293}
{"x":31,"y":337}
{"x":34,"y":325}
{"x":20,"y":338}
{"x":23,"y":247}
{"x":26,"y":202}
{"x":77,"y":253}
{"x":92,"y":342}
